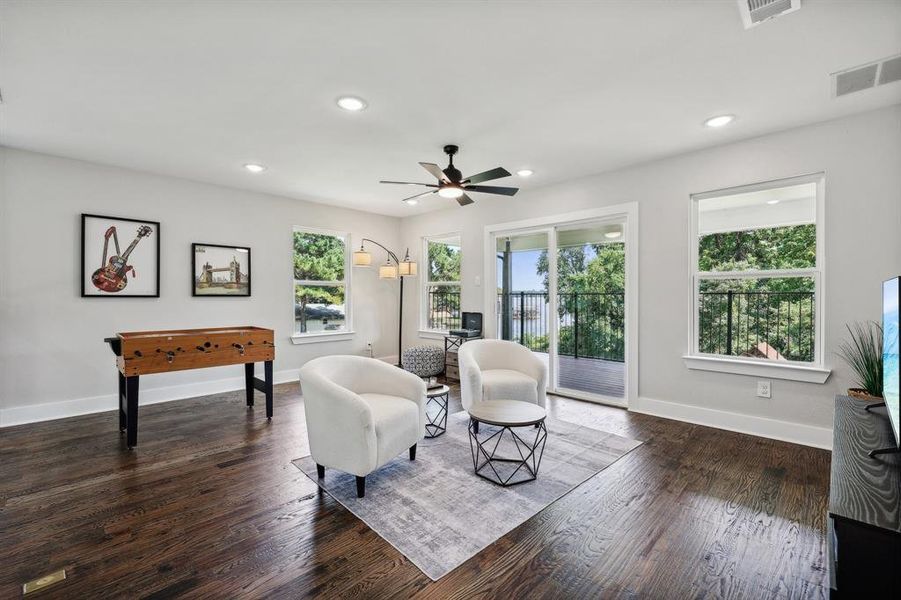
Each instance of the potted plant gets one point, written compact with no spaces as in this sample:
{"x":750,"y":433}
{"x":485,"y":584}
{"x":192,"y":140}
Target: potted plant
{"x":863,"y":353}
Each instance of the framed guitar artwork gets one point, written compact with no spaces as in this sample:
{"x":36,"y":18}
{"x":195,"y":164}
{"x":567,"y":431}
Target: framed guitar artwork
{"x":120,"y":258}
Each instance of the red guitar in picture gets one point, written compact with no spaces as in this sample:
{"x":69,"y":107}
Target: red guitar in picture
{"x":112,"y":276}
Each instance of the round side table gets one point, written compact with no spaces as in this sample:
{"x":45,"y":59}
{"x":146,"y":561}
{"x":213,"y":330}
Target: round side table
{"x":506,"y":416}
{"x":436,"y":411}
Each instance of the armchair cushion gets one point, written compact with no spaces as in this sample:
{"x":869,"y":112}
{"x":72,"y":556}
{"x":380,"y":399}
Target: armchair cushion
{"x":396,"y":422}
{"x":507,"y":384}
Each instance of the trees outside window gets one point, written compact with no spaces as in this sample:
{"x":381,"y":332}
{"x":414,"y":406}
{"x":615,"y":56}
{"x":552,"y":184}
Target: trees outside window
{"x":320,"y":282}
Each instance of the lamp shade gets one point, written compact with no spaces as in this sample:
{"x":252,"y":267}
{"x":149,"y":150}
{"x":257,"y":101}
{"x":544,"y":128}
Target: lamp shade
{"x":362,"y":258}
{"x":388,"y":271}
{"x":406,"y":267}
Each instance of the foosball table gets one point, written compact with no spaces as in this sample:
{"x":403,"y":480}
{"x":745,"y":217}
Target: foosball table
{"x":148,"y":352}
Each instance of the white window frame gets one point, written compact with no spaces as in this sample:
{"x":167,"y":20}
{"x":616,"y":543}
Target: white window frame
{"x":331,"y":336}
{"x":813,"y":372}
{"x":424,"y":330}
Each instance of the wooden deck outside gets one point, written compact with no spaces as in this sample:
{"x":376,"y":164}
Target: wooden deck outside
{"x":591,"y":375}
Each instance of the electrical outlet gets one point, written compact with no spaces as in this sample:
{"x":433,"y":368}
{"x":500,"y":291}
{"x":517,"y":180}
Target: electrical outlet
{"x":763,"y":389}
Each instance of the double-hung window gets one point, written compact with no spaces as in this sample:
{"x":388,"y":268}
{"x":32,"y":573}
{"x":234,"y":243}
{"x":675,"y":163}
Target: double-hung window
{"x":441,"y":284}
{"x":321,"y":283}
{"x":757,"y":261}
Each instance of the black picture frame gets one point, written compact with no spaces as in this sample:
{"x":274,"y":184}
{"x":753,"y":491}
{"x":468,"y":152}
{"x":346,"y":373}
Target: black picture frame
{"x":225,"y":292}
{"x":97,"y":291}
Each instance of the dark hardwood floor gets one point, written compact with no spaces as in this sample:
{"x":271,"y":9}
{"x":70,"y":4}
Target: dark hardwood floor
{"x":209,"y":506}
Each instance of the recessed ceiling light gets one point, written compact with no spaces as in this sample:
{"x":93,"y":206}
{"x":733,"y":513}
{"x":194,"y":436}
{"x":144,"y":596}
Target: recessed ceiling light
{"x":525,"y":172}
{"x":772,"y":202}
{"x":254,"y":168}
{"x":719,"y":121}
{"x":450,"y":192}
{"x":351,"y":103}
{"x":412,"y":201}
{"x":613,"y":234}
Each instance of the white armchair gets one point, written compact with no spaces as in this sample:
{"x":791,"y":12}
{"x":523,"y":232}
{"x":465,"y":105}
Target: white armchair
{"x":361,"y":413}
{"x":500,"y":370}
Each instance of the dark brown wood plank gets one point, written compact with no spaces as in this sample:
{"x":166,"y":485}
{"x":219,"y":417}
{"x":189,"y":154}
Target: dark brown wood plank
{"x":210,"y":506}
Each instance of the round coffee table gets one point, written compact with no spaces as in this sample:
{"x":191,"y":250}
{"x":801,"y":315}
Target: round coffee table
{"x":436,"y":399}
{"x":505,"y":416}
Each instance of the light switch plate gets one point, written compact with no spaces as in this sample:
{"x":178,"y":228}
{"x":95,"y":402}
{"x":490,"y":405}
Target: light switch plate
{"x":764,"y":390}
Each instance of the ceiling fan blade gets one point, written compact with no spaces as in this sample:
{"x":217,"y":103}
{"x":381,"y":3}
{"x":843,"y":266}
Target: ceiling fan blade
{"x":492,"y":189}
{"x":410,"y":183}
{"x":464,"y":200}
{"x":436,"y":171}
{"x":488,"y":175}
{"x":418,"y":195}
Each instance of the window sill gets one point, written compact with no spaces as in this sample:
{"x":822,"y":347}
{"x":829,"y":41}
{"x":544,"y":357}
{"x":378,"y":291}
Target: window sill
{"x":431,"y":334}
{"x":792,"y":372}
{"x":317,"y":338}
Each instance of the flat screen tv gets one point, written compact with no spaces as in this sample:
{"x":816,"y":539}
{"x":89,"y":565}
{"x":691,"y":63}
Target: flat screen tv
{"x":891,"y":384}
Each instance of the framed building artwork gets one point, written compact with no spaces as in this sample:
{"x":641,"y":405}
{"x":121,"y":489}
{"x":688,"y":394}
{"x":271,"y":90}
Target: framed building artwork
{"x":218,"y":270}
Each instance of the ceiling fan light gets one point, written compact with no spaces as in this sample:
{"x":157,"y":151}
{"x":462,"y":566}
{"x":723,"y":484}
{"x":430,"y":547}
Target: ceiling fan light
{"x":450,"y":191}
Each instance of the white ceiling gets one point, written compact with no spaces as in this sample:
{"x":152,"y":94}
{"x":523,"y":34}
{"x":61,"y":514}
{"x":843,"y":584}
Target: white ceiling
{"x":197,"y":89}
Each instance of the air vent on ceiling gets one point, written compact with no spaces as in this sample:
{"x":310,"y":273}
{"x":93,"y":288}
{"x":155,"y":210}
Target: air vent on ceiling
{"x":755,"y":12}
{"x":864,"y":77}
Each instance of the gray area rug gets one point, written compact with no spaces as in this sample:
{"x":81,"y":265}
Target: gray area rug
{"x":438,"y":513}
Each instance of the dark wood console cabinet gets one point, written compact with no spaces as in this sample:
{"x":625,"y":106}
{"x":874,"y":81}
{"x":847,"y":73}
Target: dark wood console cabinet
{"x":864,"y":524}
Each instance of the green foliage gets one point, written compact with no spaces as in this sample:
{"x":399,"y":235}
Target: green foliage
{"x":444,"y":262}
{"x":791,"y":247}
{"x":863,"y":353}
{"x":317,"y":257}
{"x":591,"y":293}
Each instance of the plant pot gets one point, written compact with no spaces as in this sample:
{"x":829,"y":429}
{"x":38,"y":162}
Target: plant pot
{"x":861,"y":394}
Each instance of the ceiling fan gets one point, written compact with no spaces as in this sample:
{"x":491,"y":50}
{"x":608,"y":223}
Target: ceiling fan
{"x":452,"y":184}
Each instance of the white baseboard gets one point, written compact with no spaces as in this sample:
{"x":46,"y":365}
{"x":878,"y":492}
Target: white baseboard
{"x":797,"y":433}
{"x":19,"y":415}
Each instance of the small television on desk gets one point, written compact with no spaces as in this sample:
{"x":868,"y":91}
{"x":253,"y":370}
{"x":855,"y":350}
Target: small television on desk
{"x":891,"y":383}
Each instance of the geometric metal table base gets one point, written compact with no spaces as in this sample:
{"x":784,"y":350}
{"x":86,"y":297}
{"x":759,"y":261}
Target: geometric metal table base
{"x":436,"y":420}
{"x":530,"y":451}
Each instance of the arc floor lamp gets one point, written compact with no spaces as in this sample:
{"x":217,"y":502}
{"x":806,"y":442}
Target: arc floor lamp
{"x":399,"y":269}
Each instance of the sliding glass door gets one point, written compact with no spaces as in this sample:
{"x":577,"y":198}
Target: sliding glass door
{"x":561,"y":292}
{"x":590,"y":318}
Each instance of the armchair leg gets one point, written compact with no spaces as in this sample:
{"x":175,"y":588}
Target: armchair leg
{"x":320,"y":471}
{"x":413,"y":452}
{"x":361,"y":487}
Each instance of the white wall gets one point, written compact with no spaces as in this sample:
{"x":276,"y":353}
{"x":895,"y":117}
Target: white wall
{"x":861,"y":156}
{"x":53,"y":361}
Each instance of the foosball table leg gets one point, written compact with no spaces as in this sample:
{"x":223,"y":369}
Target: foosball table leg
{"x":248,"y":382}
{"x":122,"y":418}
{"x":267,"y":368}
{"x":131,"y":417}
